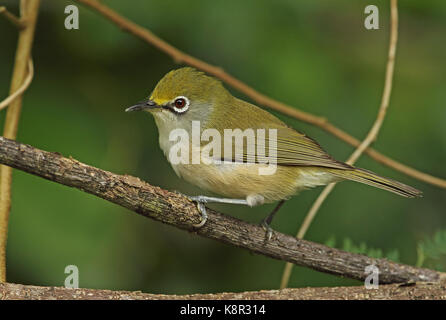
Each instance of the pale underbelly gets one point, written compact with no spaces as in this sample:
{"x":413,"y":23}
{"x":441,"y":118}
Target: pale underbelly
{"x":240,"y":180}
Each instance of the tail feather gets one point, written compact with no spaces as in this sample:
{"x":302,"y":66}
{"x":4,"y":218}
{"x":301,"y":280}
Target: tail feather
{"x":372,"y":179}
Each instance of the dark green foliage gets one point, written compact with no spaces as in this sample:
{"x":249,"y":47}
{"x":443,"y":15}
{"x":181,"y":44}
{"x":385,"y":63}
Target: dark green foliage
{"x":362,"y":248}
{"x":432,"y":251}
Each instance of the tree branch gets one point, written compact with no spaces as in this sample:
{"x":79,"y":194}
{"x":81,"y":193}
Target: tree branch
{"x":177,"y":210}
{"x":29,"y":10}
{"x":181,"y":57}
{"x":416,"y":291}
{"x":8,"y":100}
{"x":17,"y":22}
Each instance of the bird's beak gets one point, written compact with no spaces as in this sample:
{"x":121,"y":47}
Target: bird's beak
{"x":143,"y":105}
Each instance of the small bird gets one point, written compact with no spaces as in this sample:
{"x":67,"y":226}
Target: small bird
{"x":186,"y":96}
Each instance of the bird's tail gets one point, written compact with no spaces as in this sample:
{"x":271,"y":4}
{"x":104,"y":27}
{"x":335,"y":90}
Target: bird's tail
{"x":372,"y":179}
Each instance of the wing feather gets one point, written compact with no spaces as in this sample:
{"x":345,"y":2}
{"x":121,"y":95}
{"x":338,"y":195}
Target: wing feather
{"x":292,"y":148}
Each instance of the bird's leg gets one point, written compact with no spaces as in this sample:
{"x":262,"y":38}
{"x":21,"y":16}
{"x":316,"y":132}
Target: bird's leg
{"x":267,"y":221}
{"x":201,"y":200}
{"x":206,"y":199}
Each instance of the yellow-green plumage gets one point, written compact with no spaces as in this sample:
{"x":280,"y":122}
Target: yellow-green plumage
{"x":302,"y":163}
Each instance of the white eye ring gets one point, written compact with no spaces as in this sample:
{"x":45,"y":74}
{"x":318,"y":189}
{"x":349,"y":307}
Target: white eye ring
{"x":177,"y":104}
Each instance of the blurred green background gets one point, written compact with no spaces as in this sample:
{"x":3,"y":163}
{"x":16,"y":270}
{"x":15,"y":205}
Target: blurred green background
{"x":316,"y":56}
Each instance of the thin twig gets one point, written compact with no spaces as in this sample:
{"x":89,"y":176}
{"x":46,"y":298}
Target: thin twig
{"x":371,"y":136}
{"x":17,"y":22}
{"x":177,"y":210}
{"x":28,"y":12}
{"x":25,"y":85}
{"x":181,"y":57}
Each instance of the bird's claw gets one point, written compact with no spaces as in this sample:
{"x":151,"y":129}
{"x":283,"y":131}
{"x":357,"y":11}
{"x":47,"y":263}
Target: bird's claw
{"x":202,"y":209}
{"x":268,"y":230}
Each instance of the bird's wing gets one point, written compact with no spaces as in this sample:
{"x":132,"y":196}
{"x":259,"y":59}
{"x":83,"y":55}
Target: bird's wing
{"x":292,"y":148}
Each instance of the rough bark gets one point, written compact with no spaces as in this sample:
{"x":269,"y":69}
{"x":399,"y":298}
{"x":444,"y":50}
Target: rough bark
{"x":415,"y":291}
{"x":176,"y":210}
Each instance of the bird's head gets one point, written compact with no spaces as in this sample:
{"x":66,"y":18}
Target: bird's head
{"x":183,"y":95}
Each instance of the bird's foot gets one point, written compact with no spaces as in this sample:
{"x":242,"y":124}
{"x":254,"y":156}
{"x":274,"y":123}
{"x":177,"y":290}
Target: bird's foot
{"x":268,"y":230}
{"x":200,"y":200}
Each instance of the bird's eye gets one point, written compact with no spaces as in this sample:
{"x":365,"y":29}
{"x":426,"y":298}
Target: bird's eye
{"x":181,"y":104}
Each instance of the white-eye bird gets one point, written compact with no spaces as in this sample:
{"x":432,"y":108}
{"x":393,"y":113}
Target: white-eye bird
{"x":185,"y":95}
